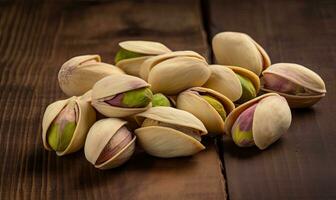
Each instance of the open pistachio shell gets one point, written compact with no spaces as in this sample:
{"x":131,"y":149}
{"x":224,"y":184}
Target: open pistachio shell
{"x":80,"y":73}
{"x":100,"y":135}
{"x":299,"y":85}
{"x":108,"y":87}
{"x":174,"y":72}
{"x":224,"y":81}
{"x":86,"y":116}
{"x":271,"y":119}
{"x":250,"y":76}
{"x":145,"y":49}
{"x":192,"y":101}
{"x":167,"y":142}
{"x":239,"y":49}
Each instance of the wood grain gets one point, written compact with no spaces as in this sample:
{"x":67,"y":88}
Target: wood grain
{"x":302,"y":164}
{"x":35,"y":39}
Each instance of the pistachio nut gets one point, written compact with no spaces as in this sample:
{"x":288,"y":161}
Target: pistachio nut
{"x":299,"y":85}
{"x":80,"y":73}
{"x":133,"y":53}
{"x":65,"y":125}
{"x":260,"y":121}
{"x":239,"y":49}
{"x":168,"y":132}
{"x":207,"y":105}
{"x":121,"y":95}
{"x":160,"y":99}
{"x":109,"y":143}
{"x":174,"y":72}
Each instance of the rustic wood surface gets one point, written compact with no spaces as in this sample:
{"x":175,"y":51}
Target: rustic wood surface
{"x":37,"y":37}
{"x":301,"y":165}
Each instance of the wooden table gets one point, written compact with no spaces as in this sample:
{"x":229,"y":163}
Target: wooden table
{"x":37,"y":37}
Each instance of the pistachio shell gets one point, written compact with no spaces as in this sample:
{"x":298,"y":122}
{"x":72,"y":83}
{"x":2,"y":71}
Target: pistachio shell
{"x":165,"y":141}
{"x":145,"y":47}
{"x":299,"y":76}
{"x":132,"y":66}
{"x":80,"y":73}
{"x":247,"y":74}
{"x":239,"y":49}
{"x":97,"y":139}
{"x":86,"y":117}
{"x":147,"y":66}
{"x":272,"y":118}
{"x":112,"y":85}
{"x":224,"y":81}
{"x":191,"y":101}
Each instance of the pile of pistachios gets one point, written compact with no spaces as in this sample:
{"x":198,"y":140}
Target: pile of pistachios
{"x":166,"y":101}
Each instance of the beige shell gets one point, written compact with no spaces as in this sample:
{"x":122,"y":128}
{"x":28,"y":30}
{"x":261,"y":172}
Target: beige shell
{"x":98,"y":137}
{"x":174,"y":72}
{"x":224,"y":81}
{"x":112,"y":85}
{"x":247,"y":74}
{"x":200,"y":108}
{"x":302,"y":76}
{"x":149,"y":49}
{"x":86,"y":118}
{"x":271,"y":119}
{"x":239,"y":49}
{"x":80,"y":73}
{"x":167,"y":142}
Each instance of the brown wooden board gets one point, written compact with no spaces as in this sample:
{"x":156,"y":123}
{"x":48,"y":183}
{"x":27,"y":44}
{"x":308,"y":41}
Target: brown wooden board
{"x":35,"y":39}
{"x":302,"y":164}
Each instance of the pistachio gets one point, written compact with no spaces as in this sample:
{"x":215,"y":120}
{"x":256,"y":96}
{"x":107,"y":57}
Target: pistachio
{"x":80,"y":73}
{"x":299,"y":85}
{"x":160,"y":100}
{"x":168,"y":132}
{"x":207,"y":105}
{"x":109,"y":143}
{"x":121,"y":96}
{"x":174,"y":72}
{"x":65,"y":125}
{"x":260,"y":121}
{"x":239,"y":49}
{"x":248,"y":89}
{"x":133,"y":53}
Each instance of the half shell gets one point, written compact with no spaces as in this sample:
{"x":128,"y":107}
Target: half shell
{"x":86,"y":117}
{"x":300,"y":76}
{"x":167,"y":142}
{"x":239,"y":49}
{"x":191,"y":101}
{"x":97,"y":139}
{"x":112,"y":85}
{"x":271,"y":119}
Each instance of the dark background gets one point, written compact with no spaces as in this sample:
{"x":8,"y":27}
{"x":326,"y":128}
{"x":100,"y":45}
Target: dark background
{"x":36,"y":37}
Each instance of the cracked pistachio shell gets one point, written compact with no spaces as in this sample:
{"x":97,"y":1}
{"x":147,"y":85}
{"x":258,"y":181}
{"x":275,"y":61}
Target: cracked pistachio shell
{"x":174,"y":72}
{"x":80,"y":73}
{"x":109,"y":87}
{"x":146,"y":49}
{"x":192,"y":101}
{"x":239,"y":49}
{"x":224,"y":80}
{"x":167,"y":142}
{"x":99,"y":137}
{"x":249,"y":75}
{"x":272,"y":117}
{"x":297,"y":77}
{"x":85,"y":117}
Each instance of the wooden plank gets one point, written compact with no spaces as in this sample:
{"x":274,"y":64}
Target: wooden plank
{"x":35,"y":39}
{"x":302,"y":164}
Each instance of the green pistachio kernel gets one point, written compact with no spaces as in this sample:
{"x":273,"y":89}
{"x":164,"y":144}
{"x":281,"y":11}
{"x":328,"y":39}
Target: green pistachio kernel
{"x":137,"y":98}
{"x":216,"y":105}
{"x":125,"y":54}
{"x":249,"y":91}
{"x":160,"y":100}
{"x":62,"y":129}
